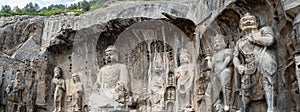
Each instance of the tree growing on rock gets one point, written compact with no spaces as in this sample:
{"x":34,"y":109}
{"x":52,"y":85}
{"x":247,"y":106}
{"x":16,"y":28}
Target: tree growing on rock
{"x":5,"y":9}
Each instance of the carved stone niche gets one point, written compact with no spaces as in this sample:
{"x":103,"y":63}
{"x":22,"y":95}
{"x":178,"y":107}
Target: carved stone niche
{"x":148,"y":61}
{"x":268,"y":14}
{"x":171,"y":79}
{"x":170,"y":98}
{"x":149,"y":49}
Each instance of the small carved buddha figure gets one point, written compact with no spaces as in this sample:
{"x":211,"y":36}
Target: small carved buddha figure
{"x":253,"y":59}
{"x":171,"y":78}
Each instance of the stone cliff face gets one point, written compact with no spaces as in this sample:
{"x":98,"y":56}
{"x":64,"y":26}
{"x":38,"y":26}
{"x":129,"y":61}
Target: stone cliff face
{"x":17,"y":30}
{"x":34,"y":46}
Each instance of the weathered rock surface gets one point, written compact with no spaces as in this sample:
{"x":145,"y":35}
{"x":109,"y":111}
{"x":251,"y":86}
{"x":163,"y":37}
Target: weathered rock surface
{"x":16,"y":30}
{"x":150,"y":37}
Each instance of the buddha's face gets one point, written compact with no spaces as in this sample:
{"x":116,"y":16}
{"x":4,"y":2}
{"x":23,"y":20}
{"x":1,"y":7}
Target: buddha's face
{"x":111,"y":56}
{"x":248,"y":23}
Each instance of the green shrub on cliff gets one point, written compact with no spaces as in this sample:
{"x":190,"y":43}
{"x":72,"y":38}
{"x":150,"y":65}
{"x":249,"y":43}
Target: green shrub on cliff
{"x":5,"y":9}
{"x":54,"y":9}
{"x":34,"y":9}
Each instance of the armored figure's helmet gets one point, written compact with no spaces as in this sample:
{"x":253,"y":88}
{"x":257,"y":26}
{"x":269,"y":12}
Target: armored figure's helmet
{"x":248,"y":22}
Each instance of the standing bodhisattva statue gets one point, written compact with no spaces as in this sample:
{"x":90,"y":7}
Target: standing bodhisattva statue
{"x":60,"y":88}
{"x":77,"y":93}
{"x":185,"y":79}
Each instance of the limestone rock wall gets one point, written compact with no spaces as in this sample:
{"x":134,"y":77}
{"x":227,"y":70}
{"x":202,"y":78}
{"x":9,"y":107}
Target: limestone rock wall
{"x":149,"y":35}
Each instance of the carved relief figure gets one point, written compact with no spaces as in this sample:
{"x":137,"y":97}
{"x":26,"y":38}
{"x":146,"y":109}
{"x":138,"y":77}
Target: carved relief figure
{"x":14,"y":92}
{"x":297,"y":55}
{"x":221,"y":69}
{"x":295,"y":93}
{"x":185,"y":77}
{"x":156,"y":83}
{"x":60,"y":88}
{"x":252,"y":57}
{"x":171,"y":78}
{"x":220,"y":79}
{"x":201,"y":84}
{"x":296,"y":78}
{"x":122,"y":93}
{"x":170,"y":107}
{"x":171,"y":93}
{"x":113,"y":78}
{"x":77,"y":94}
